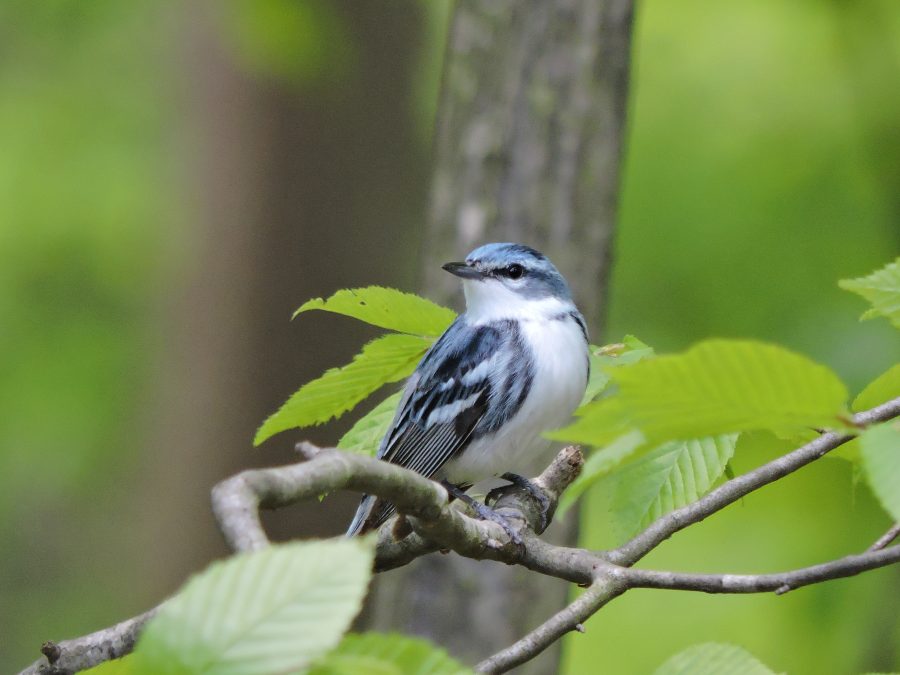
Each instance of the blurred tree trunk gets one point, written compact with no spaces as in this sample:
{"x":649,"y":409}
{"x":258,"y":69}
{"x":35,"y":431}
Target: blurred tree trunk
{"x":298,"y":187}
{"x":528,"y":143}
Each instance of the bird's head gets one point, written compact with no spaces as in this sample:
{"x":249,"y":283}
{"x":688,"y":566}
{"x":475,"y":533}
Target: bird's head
{"x":509,"y":280}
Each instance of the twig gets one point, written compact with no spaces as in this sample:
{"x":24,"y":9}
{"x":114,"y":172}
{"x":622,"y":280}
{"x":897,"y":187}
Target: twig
{"x":85,"y":652}
{"x":733,"y":490}
{"x":886,"y":538}
{"x":237,"y":500}
{"x":848,"y":566}
{"x":236,"y":503}
{"x":613,"y":580}
{"x":571,"y":618}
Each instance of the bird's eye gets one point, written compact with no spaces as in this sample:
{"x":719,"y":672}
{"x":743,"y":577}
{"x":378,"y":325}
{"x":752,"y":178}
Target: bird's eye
{"x":515,"y":271}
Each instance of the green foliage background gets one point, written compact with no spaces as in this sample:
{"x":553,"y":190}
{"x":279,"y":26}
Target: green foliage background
{"x":763,"y":165}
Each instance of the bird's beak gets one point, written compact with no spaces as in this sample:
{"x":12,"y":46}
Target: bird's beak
{"x":462,"y":270}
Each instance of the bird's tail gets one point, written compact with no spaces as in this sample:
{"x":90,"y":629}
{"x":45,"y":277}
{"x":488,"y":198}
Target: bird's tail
{"x":362,"y":514}
{"x":371,"y":513}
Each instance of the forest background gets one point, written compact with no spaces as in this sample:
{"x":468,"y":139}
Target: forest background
{"x":175,"y":180}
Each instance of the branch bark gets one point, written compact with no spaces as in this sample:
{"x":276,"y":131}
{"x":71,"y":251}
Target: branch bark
{"x":70,"y":656}
{"x":886,"y":538}
{"x":848,"y":566}
{"x":438,"y":524}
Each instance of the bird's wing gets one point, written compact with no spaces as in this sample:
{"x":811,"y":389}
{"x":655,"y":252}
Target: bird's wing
{"x":468,"y":383}
{"x":444,"y":400}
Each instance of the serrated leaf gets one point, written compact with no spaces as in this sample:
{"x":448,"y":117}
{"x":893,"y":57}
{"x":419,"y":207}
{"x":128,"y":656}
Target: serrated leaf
{"x":880,"y":450}
{"x":881,"y":289}
{"x":717,"y":386}
{"x":598,"y":465}
{"x":365,"y":436}
{"x":669,"y":477}
{"x":598,"y":379}
{"x":387,"y":654}
{"x":630,"y":350}
{"x":883,"y":388}
{"x":724,"y":386}
{"x":713,"y":658}
{"x":271,"y":611}
{"x":386,"y":308}
{"x":386,"y":359}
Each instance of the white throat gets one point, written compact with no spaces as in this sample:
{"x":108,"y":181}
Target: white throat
{"x":490,"y":300}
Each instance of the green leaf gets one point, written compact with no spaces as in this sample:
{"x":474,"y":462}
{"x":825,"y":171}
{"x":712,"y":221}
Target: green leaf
{"x":880,"y":449}
{"x":598,"y":379}
{"x":669,"y":477}
{"x":365,"y":436}
{"x":598,"y":465}
{"x":712,"y":658}
{"x":883,"y":388}
{"x":599,"y":423}
{"x":630,"y":350}
{"x":723,"y":386}
{"x":763,"y":444}
{"x":637,"y":346}
{"x":387,"y":654}
{"x":386,"y":308}
{"x":881,"y":289}
{"x":271,"y":611}
{"x":386,"y":359}
{"x":716,"y":387}
{"x":729,"y":471}
{"x":848,"y":452}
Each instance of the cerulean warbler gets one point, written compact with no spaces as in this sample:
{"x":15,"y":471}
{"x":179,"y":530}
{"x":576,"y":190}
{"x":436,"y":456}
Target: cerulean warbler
{"x":514,"y":365}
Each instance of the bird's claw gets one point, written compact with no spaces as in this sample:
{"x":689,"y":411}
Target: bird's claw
{"x":531,"y":488}
{"x":487,"y":513}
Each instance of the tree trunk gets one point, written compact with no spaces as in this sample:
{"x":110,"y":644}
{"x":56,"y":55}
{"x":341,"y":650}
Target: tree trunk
{"x":528,"y":143}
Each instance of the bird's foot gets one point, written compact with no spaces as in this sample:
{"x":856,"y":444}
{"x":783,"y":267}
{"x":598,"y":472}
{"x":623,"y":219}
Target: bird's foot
{"x":485,"y":512}
{"x":531,"y":488}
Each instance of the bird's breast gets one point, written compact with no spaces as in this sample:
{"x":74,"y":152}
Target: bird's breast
{"x":559,"y":370}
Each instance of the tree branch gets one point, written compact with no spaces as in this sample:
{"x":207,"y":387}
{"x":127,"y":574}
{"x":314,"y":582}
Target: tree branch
{"x":599,"y":593}
{"x":70,"y":656}
{"x":848,"y":566}
{"x":886,"y":538}
{"x":438,"y":524}
{"x":236,"y":501}
{"x":733,"y":490}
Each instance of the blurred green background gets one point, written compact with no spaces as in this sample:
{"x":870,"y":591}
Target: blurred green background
{"x":175,"y":179}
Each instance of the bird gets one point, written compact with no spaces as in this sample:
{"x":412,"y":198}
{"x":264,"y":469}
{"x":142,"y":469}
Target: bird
{"x":513,"y":365}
